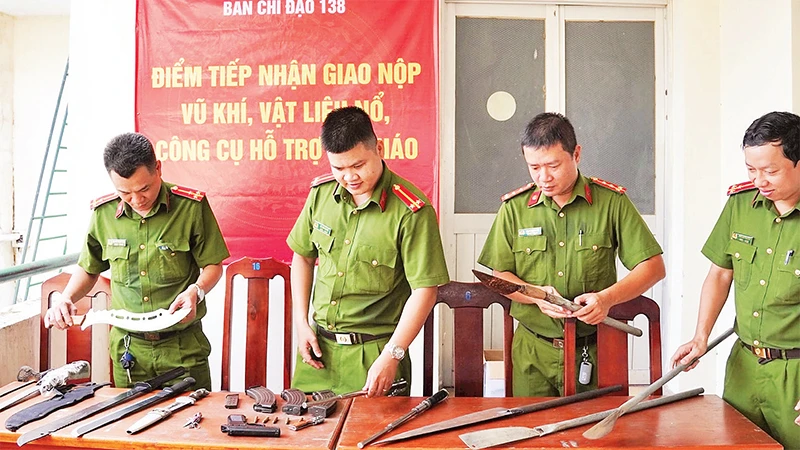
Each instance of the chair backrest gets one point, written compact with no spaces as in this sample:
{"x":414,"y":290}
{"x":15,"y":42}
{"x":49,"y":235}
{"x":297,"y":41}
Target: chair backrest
{"x":258,"y":272}
{"x":80,"y":344}
{"x":468,"y":301}
{"x":612,"y":346}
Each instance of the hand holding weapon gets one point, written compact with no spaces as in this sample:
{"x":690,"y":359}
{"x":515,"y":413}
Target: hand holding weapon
{"x":506,"y":287}
{"x":396,"y":387}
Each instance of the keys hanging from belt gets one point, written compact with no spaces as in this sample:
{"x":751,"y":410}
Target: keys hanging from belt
{"x":127,"y":361}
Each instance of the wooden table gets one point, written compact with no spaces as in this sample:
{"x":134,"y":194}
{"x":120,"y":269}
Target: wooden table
{"x":170,"y":434}
{"x":697,"y":423}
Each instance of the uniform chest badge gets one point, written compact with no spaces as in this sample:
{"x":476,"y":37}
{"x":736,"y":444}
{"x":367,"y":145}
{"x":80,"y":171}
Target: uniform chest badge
{"x":534,"y":231}
{"x":321,"y":227}
{"x":117,"y":242}
{"x":742,"y":238}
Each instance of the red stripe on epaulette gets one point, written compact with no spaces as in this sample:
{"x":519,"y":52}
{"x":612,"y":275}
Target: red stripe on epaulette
{"x":608,"y":185}
{"x":517,"y":191}
{"x":741,"y":187}
{"x":103,"y":200}
{"x":322,"y":179}
{"x":534,"y":198}
{"x":189,"y":193}
{"x":588,"y":191}
{"x":408,"y":198}
{"x":120,"y":209}
{"x":382,"y":202}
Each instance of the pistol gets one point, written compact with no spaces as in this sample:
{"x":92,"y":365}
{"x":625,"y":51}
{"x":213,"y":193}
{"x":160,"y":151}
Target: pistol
{"x":237,"y":426}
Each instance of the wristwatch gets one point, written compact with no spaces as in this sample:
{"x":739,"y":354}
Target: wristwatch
{"x":201,"y":294}
{"x":395,"y":351}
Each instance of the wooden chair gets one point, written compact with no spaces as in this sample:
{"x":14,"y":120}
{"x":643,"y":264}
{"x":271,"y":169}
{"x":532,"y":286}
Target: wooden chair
{"x":468,"y":301}
{"x":258,"y":272}
{"x":612,"y":347}
{"x":79,"y":343}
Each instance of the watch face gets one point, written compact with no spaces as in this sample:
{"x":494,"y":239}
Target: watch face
{"x":398,"y":352}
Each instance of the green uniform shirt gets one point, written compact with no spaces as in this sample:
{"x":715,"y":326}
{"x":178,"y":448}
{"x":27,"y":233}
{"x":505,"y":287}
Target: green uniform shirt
{"x":156,"y":257}
{"x":571,"y":248}
{"x":753,"y":239}
{"x":371,"y":256}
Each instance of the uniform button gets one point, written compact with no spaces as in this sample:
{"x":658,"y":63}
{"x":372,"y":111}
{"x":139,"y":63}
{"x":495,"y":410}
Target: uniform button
{"x":341,"y":274}
{"x":755,"y":313}
{"x":778,"y":220}
{"x":797,"y":272}
{"x":528,"y":250}
{"x":355,"y":211}
{"x":561,"y":214}
{"x":146,"y":299}
{"x":172,"y":254}
{"x":143,"y":221}
{"x":374,"y":262}
{"x":560,"y":273}
{"x":561,"y":244}
{"x":333,"y":302}
{"x":762,"y":282}
{"x":594,"y":247}
{"x":736,"y":255}
{"x":347,"y":241}
{"x":141,"y":247}
{"x":769,"y":251}
{"x":330,"y":327}
{"x":143,"y":273}
{"x":756,"y":343}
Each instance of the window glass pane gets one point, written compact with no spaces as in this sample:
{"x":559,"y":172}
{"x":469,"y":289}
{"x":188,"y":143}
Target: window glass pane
{"x":610,"y":94}
{"x":499,"y":88}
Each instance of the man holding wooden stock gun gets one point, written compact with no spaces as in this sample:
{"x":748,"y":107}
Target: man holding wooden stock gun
{"x":380,"y":261}
{"x":753,"y":246}
{"x":563,"y":232}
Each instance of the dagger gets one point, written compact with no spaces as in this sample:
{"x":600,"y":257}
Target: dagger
{"x":506,"y":287}
{"x":159,"y":414}
{"x":50,"y":382}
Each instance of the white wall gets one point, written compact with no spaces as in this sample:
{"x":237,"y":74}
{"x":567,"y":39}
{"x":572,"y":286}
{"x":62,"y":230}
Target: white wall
{"x":6,"y":149}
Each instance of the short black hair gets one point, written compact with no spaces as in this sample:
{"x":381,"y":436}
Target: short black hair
{"x":548,"y":129}
{"x":344,"y":128}
{"x":781,"y":128}
{"x":127,"y":152}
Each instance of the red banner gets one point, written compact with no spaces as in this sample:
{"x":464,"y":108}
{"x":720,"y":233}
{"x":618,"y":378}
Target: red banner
{"x":233,"y":93}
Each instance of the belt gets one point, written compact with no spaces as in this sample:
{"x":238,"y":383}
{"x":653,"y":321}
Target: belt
{"x":349,"y":338}
{"x":766,"y":354}
{"x":559,"y":342}
{"x":161,"y":335}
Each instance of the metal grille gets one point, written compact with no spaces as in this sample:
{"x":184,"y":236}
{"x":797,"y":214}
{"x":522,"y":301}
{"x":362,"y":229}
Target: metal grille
{"x":504,"y":57}
{"x":610,"y":96}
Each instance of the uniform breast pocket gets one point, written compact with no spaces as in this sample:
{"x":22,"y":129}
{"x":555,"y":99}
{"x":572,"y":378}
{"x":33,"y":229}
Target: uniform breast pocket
{"x":596,"y":254}
{"x":173,"y":261}
{"x":530,"y":257}
{"x":373,"y":270}
{"x":117,"y":257}
{"x":789,"y":280}
{"x":323,"y":243}
{"x":742,"y":255}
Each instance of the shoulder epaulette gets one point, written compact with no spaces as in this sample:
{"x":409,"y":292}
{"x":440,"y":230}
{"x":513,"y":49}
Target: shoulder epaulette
{"x":322,"y":179}
{"x":103,"y":200}
{"x":741,"y":187}
{"x":189,"y":193}
{"x":608,"y":185}
{"x":517,"y":191}
{"x":408,"y":198}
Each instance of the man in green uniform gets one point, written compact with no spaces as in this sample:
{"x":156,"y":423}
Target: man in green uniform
{"x":380,"y":261}
{"x":755,"y":245}
{"x":165,"y":250}
{"x":563,"y":232}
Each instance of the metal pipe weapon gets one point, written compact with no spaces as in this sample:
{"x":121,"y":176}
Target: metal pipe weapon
{"x":396,"y":386}
{"x":419,"y":409}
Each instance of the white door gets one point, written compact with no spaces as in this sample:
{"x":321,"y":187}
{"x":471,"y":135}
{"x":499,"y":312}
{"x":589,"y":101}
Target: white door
{"x":503,"y":63}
